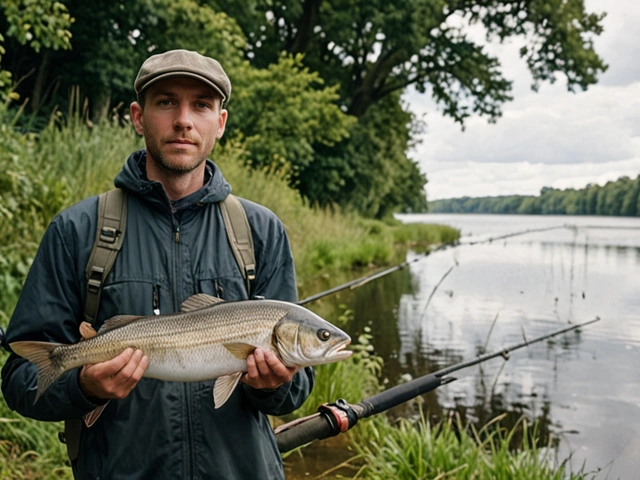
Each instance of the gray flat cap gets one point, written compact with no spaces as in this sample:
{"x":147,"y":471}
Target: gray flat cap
{"x":183,"y":63}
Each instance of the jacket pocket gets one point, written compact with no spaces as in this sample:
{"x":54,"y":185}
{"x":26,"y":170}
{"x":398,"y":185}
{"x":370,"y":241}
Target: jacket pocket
{"x":133,"y":298}
{"x":226,"y":288}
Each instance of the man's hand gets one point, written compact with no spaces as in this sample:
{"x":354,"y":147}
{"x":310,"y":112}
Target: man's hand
{"x":265,"y":370}
{"x":114,"y":378}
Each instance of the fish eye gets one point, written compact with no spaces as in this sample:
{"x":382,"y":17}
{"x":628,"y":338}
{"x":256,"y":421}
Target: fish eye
{"x":324,"y":335}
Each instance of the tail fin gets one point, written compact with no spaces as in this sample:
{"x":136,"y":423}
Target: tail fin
{"x":39,"y":353}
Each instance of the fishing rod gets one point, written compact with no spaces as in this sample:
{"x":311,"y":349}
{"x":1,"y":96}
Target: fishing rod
{"x":521,"y":232}
{"x":358,"y":282}
{"x":338,"y":417}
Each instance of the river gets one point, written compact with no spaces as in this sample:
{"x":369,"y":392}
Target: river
{"x":482,"y":295}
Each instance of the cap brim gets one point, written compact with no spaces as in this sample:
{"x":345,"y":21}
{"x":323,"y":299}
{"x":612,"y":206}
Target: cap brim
{"x":183,"y":74}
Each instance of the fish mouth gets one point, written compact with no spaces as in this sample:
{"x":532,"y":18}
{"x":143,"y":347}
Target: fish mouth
{"x":338,"y":352}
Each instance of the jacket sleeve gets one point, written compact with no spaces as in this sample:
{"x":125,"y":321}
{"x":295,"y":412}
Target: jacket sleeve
{"x":49,"y":309}
{"x":276,"y":280}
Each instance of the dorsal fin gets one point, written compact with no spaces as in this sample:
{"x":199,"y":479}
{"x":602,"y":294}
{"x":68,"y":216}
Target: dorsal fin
{"x":117,"y":322}
{"x":198,"y":301}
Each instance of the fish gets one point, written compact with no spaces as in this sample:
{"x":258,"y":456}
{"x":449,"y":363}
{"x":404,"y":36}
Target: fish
{"x":208,"y":339}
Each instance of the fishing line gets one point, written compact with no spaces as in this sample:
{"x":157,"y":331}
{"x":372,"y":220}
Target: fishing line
{"x":358,"y":282}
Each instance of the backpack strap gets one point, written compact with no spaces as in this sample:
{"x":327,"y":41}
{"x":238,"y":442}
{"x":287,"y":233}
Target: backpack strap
{"x":240,"y":239}
{"x":112,"y":224}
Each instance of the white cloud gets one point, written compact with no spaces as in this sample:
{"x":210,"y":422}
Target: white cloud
{"x":550,"y":138}
{"x":475,"y":179}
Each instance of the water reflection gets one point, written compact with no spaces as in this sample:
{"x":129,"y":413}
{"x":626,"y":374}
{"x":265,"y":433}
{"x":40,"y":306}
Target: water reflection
{"x":583,"y":389}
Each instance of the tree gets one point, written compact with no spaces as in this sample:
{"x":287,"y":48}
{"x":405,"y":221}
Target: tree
{"x":370,"y":171}
{"x":631,"y":198}
{"x":34,"y":25}
{"x":372,"y":48}
{"x":282,"y":114}
{"x":620,"y":197}
{"x":110,"y":39}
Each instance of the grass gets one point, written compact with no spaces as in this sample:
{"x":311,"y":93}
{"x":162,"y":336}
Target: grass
{"x":420,"y":450}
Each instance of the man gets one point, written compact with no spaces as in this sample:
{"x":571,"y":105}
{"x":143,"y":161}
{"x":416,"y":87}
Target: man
{"x":175,"y":246}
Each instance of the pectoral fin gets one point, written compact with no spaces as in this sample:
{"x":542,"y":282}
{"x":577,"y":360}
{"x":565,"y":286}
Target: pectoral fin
{"x":240,"y":350}
{"x":224,"y":387}
{"x":91,"y":417}
{"x":87,"y":331}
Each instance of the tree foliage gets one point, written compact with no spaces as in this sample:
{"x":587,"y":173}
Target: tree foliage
{"x":372,"y":48}
{"x":370,"y":171}
{"x":36,"y":25}
{"x":620,"y":197}
{"x":303,"y":70}
{"x":282,"y":113}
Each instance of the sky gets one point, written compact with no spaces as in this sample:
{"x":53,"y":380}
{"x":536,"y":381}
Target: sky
{"x":552,"y":137}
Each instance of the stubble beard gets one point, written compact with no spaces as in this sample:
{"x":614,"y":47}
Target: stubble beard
{"x":169,"y":167}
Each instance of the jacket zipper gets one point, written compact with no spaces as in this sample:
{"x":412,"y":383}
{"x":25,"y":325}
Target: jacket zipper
{"x":190,"y":460}
{"x":156,"y":300}
{"x":219,"y":289}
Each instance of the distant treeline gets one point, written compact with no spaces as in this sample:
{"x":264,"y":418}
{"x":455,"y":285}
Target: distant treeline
{"x":620,"y":197}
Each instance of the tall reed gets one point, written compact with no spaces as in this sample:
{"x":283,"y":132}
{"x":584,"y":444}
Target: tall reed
{"x":419,"y":450}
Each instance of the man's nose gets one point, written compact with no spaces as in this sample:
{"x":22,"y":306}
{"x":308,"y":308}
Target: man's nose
{"x":183,"y":117}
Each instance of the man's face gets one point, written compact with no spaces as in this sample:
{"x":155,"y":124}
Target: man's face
{"x":181,"y":121}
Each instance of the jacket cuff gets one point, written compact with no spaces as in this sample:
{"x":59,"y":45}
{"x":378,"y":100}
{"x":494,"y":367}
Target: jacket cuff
{"x":271,"y":395}
{"x":76,"y":397}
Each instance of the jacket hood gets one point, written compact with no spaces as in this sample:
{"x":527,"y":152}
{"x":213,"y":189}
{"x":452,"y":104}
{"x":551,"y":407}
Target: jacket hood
{"x":133,"y":178}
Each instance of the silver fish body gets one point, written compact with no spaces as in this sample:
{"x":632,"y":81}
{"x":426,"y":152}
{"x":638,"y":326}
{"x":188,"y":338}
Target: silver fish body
{"x":208,"y":339}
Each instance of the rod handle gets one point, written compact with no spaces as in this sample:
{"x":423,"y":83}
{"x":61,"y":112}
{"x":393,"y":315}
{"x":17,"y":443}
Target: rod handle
{"x":316,"y":428}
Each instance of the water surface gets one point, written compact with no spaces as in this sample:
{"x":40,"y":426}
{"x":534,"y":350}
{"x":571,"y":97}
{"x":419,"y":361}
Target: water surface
{"x":584,"y":388}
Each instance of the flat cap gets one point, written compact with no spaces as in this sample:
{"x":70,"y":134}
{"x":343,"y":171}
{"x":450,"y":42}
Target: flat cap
{"x":183,"y":63}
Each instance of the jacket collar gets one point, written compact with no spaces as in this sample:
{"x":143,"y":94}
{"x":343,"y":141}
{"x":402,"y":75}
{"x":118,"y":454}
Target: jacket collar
{"x":133,"y":178}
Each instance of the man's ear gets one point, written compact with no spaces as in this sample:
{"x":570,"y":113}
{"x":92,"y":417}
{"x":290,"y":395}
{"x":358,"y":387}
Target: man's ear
{"x":222,"y":122}
{"x":136,"y":117}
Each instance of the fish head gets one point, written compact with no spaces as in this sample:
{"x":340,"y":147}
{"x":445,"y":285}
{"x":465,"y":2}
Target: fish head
{"x":306,"y":339}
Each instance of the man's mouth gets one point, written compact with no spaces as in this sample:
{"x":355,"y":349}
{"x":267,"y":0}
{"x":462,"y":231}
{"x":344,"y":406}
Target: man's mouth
{"x":181,"y":141}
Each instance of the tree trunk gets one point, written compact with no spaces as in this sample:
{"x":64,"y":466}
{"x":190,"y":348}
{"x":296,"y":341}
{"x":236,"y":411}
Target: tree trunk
{"x":371,"y":89}
{"x":39,"y":87}
{"x":304,"y":29}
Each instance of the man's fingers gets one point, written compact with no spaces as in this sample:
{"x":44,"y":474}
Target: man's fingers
{"x":278,"y":368}
{"x":132,"y":371}
{"x":261,"y":363}
{"x":114,"y":378}
{"x":266,"y":370}
{"x":113,"y":366}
